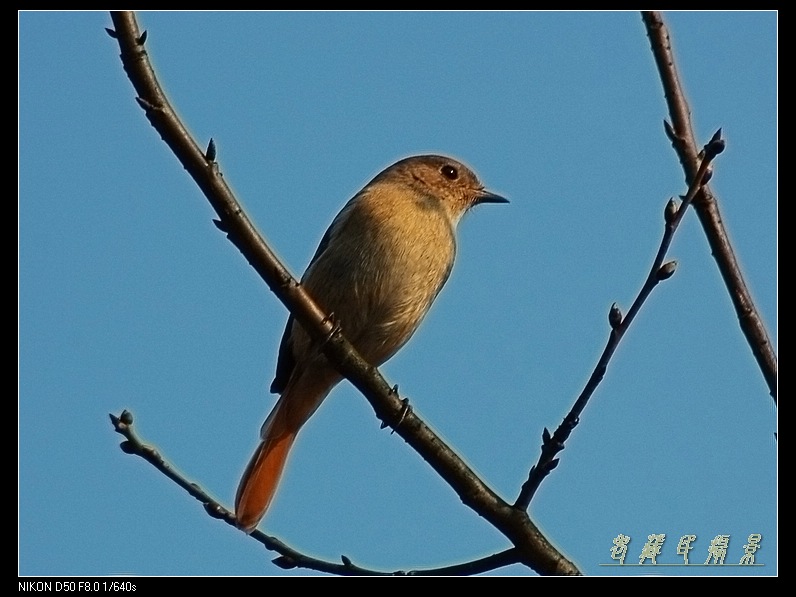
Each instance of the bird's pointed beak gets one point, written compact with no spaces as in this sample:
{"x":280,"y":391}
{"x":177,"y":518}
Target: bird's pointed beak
{"x":488,"y":197}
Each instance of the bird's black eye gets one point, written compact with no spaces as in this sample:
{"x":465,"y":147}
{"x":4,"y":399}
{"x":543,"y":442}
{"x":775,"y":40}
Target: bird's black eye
{"x":449,"y":172}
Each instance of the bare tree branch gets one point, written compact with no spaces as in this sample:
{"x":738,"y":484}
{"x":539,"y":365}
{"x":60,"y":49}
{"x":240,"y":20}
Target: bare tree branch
{"x":659,"y":271}
{"x":289,"y":557}
{"x":682,"y":137}
{"x":532,"y":548}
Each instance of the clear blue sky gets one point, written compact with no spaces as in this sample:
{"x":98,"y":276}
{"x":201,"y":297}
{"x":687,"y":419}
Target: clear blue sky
{"x":130,"y":298}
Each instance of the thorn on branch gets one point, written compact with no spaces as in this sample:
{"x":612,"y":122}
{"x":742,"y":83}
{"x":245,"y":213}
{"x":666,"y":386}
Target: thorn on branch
{"x":112,"y":33}
{"x":405,"y":410}
{"x":210,"y":154}
{"x":394,"y":392}
{"x":669,"y":130}
{"x":221,"y":225}
{"x":141,"y":39}
{"x":145,"y":104}
{"x":127,"y":447}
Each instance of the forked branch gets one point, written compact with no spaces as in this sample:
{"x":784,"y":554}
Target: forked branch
{"x":530,"y":546}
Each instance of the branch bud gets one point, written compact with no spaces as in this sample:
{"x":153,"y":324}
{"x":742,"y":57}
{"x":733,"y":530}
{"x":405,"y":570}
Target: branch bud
{"x":715,"y":146}
{"x":615,"y":316}
{"x":670,"y":213}
{"x":667,"y":270}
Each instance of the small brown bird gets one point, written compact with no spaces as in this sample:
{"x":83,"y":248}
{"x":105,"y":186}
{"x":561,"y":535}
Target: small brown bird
{"x":378,"y":268}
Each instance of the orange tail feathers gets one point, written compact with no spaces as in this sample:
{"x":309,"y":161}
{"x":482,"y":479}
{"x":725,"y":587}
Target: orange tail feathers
{"x":261,"y":478}
{"x":298,"y":402}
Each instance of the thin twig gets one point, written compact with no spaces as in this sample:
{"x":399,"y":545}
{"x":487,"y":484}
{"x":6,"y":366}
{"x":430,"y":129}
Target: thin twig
{"x":673,"y":215}
{"x":706,"y":205}
{"x":288,"y":557}
{"x":533,"y":548}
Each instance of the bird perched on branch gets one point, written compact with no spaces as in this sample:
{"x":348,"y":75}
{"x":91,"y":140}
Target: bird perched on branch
{"x":378,"y":268}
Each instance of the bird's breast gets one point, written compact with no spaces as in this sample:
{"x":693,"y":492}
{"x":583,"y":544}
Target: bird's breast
{"x":380,"y":275}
